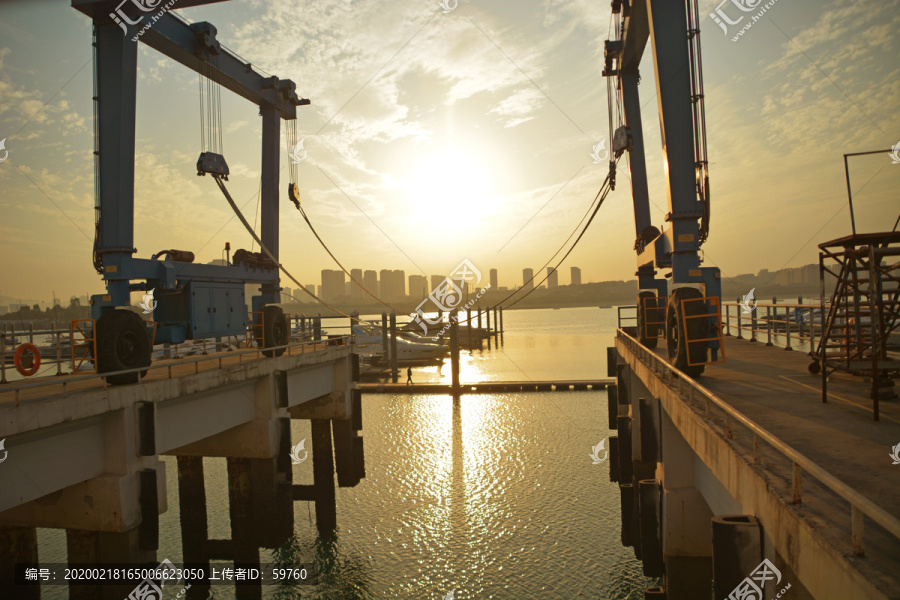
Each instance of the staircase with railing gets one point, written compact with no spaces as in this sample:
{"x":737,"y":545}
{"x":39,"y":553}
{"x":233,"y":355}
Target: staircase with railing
{"x":862,"y":320}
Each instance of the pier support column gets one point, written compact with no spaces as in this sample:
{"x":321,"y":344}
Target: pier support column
{"x":18,"y":545}
{"x":192,"y":510}
{"x":104,"y":547}
{"x":385,"y":346}
{"x":687,"y":543}
{"x":244,"y":541}
{"x":737,"y":551}
{"x":323,"y":476}
{"x":395,"y":371}
{"x":454,"y":350}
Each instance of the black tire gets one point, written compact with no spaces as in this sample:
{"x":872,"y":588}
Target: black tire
{"x":814,"y":368}
{"x":275,"y":330}
{"x":679,"y":329}
{"x":122,"y":343}
{"x":647,"y":333}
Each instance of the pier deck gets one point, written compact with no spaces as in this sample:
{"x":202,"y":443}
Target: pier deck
{"x":772,"y":387}
{"x":72,"y":383}
{"x":817,"y":475}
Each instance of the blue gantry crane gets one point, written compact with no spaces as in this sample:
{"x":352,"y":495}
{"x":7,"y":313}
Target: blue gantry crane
{"x":688,"y":317}
{"x":192,"y":301}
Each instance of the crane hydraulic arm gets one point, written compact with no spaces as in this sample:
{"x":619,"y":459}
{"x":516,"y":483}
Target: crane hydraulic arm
{"x":688,"y":316}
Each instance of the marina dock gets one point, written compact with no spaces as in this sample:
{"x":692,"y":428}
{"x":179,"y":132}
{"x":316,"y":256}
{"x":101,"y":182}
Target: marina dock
{"x":485,"y":387}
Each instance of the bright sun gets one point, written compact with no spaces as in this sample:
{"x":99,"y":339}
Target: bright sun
{"x":451,"y":186}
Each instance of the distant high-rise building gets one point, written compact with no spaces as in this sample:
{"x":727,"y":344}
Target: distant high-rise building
{"x":418,"y":287}
{"x":286,"y":294}
{"x":357,"y":292}
{"x":333,"y":285}
{"x":528,"y":279}
{"x":576,"y":276}
{"x":384,"y":284}
{"x":399,"y":283}
{"x":370,"y":280}
{"x":437,"y":280}
{"x":494,"y":284}
{"x":311,"y":288}
{"x":552,"y":277}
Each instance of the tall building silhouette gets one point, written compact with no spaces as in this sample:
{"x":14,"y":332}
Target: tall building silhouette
{"x":576,"y":276}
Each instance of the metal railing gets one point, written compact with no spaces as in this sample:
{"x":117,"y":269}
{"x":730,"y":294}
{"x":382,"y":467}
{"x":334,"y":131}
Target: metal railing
{"x":290,"y":350}
{"x":780,"y":324}
{"x":8,"y":342}
{"x":693,"y":393}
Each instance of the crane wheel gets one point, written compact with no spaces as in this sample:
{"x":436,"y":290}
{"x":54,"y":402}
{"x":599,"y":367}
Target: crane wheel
{"x":680,"y":329}
{"x":275,"y":330}
{"x":648,"y":333}
{"x":122,"y":343}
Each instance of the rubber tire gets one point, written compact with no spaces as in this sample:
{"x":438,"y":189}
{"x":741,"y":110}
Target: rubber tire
{"x":275,"y":330}
{"x":122,"y":343}
{"x":675,"y":331}
{"x":649,"y":335}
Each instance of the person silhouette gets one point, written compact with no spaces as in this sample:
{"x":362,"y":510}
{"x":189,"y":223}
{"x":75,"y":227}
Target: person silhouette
{"x":409,"y":376}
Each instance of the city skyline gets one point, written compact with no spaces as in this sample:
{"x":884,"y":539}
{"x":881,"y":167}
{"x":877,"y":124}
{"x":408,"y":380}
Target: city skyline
{"x":806,"y":274}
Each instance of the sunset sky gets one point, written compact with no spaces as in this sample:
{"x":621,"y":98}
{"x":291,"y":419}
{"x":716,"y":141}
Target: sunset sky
{"x":435,"y":137}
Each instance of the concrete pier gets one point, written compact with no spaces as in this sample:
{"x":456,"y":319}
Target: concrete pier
{"x":749,"y":444}
{"x":108,"y":495}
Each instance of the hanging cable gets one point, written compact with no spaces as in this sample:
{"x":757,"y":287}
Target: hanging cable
{"x":590,"y":209}
{"x":602,"y":195}
{"x":344,"y":269}
{"x":293,"y":148}
{"x":263,"y":247}
{"x":97,"y":255}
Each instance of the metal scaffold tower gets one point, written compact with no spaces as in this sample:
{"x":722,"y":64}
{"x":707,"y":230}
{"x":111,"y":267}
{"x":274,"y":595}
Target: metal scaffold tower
{"x":863,"y":312}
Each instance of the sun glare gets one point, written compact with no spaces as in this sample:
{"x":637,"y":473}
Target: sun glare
{"x":451,"y":185}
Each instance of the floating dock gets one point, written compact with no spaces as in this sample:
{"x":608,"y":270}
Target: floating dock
{"x":486,"y":387}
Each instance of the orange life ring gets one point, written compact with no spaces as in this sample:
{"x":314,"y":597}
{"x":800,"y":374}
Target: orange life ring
{"x":35,"y":356}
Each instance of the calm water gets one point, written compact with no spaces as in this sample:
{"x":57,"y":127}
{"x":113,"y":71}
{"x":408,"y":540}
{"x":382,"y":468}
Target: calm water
{"x":494,"y":496}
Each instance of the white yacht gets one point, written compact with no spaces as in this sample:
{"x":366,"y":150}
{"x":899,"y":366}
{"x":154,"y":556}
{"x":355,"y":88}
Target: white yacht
{"x":370,"y":344}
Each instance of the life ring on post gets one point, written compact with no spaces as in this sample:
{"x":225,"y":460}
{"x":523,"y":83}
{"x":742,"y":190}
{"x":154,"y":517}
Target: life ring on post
{"x":28,"y":359}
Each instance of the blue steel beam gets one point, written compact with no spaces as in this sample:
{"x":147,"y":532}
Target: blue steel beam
{"x":191,"y":45}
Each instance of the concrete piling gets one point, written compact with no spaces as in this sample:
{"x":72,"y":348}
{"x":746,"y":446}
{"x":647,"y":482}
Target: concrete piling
{"x":395,"y":371}
{"x":737,"y":551}
{"x":323,"y":477}
{"x":612,"y":406}
{"x":454,"y":350}
{"x":385,"y":346}
{"x":244,"y":541}
{"x":614,"y":460}
{"x":18,"y":545}
{"x":651,"y":540}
